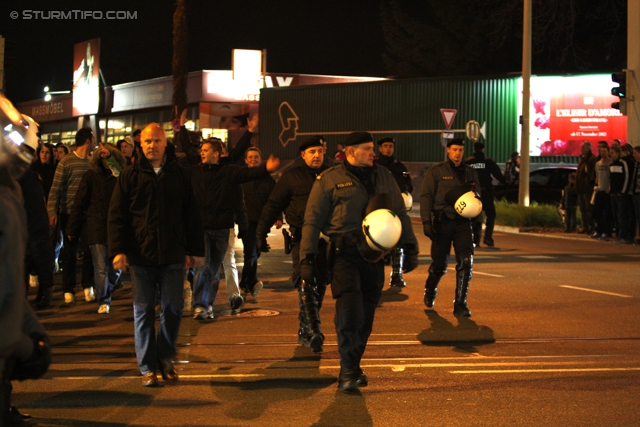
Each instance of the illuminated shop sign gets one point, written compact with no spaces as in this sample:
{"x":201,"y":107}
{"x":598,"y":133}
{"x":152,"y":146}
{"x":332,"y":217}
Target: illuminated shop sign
{"x":86,"y":77}
{"x":566,"y":111}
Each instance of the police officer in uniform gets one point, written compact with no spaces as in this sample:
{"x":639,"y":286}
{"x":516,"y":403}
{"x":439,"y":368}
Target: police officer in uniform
{"x":485,"y":168}
{"x":386,"y":147}
{"x":336,"y":207}
{"x":443,"y":183}
{"x":290,"y":196}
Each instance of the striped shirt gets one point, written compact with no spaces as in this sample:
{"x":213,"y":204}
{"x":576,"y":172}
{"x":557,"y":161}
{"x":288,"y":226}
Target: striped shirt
{"x":66,"y":181}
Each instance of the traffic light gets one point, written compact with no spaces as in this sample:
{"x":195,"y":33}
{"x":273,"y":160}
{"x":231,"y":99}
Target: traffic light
{"x":620,"y":91}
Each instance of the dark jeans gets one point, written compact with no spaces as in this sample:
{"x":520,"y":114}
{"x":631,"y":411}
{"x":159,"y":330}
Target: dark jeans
{"x":207,"y":277}
{"x":584,"y":202}
{"x":105,"y":275}
{"x":69,"y":260}
{"x":602,"y":213}
{"x":626,"y":217}
{"x":570,"y":218}
{"x":251,"y":255}
{"x":40,"y":262}
{"x":147,"y":281}
{"x":636,"y":208}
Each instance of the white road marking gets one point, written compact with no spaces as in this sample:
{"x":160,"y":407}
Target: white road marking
{"x":536,"y":257}
{"x":591,"y":256}
{"x":596,"y":291}
{"x":553,"y":370}
{"x":182,"y":376}
{"x":479,"y":273}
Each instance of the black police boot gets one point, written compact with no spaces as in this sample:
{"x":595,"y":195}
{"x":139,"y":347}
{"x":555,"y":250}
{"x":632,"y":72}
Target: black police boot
{"x":463,"y":277}
{"x":350,"y":380}
{"x":309,"y":304}
{"x":303,"y":336}
{"x":431,"y":286}
{"x":397,"y":263}
{"x":488,"y":241}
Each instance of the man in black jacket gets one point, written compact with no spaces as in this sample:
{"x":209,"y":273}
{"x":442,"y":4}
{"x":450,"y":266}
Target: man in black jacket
{"x":154,"y":225}
{"x":256,"y":194}
{"x":214,"y":183}
{"x":485,"y":168}
{"x":290,"y":196}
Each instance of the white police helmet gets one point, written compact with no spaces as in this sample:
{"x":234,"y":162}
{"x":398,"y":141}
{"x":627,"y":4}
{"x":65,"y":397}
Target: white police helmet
{"x":15,"y":135}
{"x":382,"y":229}
{"x":468,"y":205}
{"x":408,"y":200}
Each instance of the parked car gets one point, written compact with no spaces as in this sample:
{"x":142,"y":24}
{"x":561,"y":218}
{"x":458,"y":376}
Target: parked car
{"x":545,"y":186}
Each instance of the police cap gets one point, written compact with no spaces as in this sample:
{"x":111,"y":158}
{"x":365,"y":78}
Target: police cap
{"x":455,"y":141}
{"x":356,"y":138}
{"x":316,"y":141}
{"x":383,"y":140}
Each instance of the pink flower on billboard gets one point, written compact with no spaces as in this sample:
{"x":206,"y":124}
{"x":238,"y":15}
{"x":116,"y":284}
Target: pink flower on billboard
{"x":539,"y":106}
{"x":542,"y":122}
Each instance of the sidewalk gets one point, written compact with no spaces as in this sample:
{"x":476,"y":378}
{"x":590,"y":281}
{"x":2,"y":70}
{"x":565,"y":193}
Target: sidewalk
{"x":529,"y":231}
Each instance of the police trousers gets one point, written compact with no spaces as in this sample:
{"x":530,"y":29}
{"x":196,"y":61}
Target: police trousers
{"x":356,"y":286}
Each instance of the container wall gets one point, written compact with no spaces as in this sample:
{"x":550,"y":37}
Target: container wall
{"x":408,"y":110}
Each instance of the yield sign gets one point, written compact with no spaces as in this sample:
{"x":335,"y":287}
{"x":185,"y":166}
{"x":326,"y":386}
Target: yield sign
{"x":448,"y":115}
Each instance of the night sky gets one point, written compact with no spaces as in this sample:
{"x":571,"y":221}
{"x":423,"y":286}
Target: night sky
{"x":328,"y":38}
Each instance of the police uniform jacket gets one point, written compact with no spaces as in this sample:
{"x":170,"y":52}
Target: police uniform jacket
{"x":397,"y":169}
{"x":154,"y":218}
{"x":485,"y":167}
{"x":438,"y":181}
{"x":290,"y":196}
{"x":337,"y":205}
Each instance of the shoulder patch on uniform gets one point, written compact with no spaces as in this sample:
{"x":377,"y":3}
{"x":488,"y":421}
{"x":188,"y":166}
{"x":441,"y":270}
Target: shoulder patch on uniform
{"x":344,"y":184}
{"x":447,"y":177}
{"x":319,"y":176}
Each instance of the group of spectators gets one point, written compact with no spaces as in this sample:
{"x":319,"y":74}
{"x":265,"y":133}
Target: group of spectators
{"x":606,"y":189}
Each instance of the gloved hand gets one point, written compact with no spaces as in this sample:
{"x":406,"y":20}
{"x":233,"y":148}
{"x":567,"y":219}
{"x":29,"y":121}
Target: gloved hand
{"x":308,"y":269}
{"x":427,"y":227}
{"x":263,"y":246}
{"x":410,"y":258}
{"x":37,"y":364}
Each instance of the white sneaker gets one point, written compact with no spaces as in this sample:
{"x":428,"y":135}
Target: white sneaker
{"x":33,"y":281}
{"x":104,"y":309}
{"x":89,"y":295}
{"x":256,"y":289}
{"x":210,"y":314}
{"x":199,"y":314}
{"x":69,"y":298}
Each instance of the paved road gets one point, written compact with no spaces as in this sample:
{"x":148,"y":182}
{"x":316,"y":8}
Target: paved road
{"x":554,"y":340}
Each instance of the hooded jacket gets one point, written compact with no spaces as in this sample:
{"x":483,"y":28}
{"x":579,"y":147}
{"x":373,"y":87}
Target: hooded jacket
{"x":154,"y":218}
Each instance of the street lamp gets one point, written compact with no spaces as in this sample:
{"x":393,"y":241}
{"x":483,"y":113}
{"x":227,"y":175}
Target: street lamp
{"x":48,"y":93}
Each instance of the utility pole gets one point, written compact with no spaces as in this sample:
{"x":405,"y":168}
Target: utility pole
{"x":633,"y":73}
{"x":523,"y":190}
